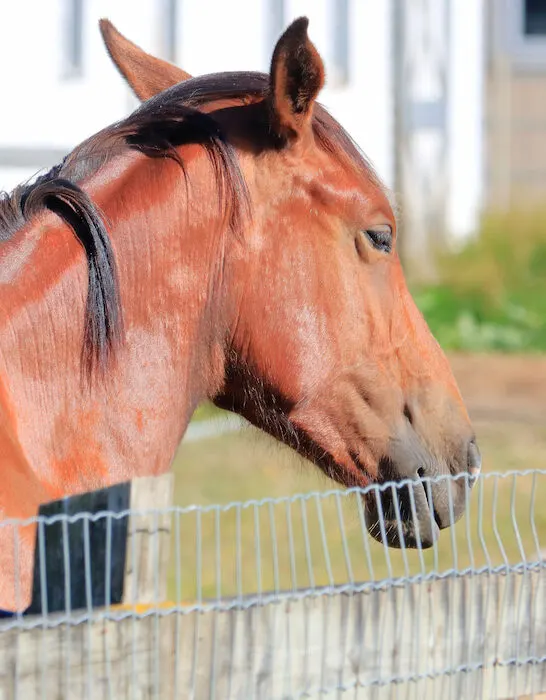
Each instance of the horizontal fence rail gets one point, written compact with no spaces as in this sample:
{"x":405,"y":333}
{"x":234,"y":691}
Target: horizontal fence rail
{"x":286,"y":598}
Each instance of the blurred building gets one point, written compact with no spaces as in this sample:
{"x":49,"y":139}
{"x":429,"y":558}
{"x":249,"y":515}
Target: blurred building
{"x":445,"y":97}
{"x":515,"y":99}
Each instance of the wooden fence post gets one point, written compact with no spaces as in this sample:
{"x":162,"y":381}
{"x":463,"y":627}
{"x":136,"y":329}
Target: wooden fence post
{"x":148,"y":540}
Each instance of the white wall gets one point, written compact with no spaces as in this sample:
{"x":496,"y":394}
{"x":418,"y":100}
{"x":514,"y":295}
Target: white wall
{"x":48,"y":109}
{"x":466,"y":116}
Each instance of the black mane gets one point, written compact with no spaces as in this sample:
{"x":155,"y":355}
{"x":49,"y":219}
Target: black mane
{"x":161,"y":124}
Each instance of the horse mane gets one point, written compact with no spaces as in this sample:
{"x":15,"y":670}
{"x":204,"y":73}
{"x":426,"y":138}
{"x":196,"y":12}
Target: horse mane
{"x":156,"y":128}
{"x":103,"y":317}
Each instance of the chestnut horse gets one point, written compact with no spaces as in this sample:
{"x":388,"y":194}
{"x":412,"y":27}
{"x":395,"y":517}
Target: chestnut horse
{"x":226,"y":241}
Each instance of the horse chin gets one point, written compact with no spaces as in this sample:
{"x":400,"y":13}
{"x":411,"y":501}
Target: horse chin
{"x":397,"y":527}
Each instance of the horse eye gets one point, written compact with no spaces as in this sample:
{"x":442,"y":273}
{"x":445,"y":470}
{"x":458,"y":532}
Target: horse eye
{"x":380,"y":237}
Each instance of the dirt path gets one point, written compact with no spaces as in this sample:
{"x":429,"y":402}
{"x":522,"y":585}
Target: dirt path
{"x":506,"y":399}
{"x":503,"y":387}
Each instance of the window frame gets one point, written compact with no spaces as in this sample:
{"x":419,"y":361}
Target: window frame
{"x":527,"y":50}
{"x":73,"y":40}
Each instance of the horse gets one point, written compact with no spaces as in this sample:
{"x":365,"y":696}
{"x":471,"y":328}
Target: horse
{"x":227,"y":241}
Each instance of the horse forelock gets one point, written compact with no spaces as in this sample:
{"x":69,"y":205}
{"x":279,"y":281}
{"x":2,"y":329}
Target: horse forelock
{"x":156,"y":129}
{"x":171,"y":119}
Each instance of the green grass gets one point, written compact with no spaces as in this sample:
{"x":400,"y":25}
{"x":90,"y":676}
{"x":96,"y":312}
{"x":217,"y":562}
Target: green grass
{"x":206,"y":411}
{"x":492,"y":294}
{"x":246,"y":466}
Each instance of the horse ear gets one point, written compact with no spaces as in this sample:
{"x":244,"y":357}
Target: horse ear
{"x":296,"y":78}
{"x":146,"y":74}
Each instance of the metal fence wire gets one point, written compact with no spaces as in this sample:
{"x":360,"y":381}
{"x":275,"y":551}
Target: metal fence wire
{"x":286,"y":598}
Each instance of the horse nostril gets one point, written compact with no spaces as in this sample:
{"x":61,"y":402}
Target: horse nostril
{"x":474,"y":459}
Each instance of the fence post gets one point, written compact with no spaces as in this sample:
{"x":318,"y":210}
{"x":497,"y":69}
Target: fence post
{"x":148,"y":540}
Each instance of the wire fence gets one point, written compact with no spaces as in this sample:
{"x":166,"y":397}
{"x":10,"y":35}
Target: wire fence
{"x":286,"y":598}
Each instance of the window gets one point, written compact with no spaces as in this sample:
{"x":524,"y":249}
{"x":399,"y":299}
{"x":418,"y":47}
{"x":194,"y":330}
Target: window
{"x":519,"y":32}
{"x":73,"y":38}
{"x":170,"y":8}
{"x":534,"y":18}
{"x":276,"y":24}
{"x":340,"y":24}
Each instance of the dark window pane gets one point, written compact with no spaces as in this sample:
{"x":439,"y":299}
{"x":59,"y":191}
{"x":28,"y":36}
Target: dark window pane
{"x":73,"y":37}
{"x":171,"y":33}
{"x":535,"y":17}
{"x":340,"y":25}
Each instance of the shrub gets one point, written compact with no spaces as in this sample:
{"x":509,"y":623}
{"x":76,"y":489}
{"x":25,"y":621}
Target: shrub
{"x":493,"y":291}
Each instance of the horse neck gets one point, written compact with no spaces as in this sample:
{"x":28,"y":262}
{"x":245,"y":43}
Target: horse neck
{"x":131,"y":421}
